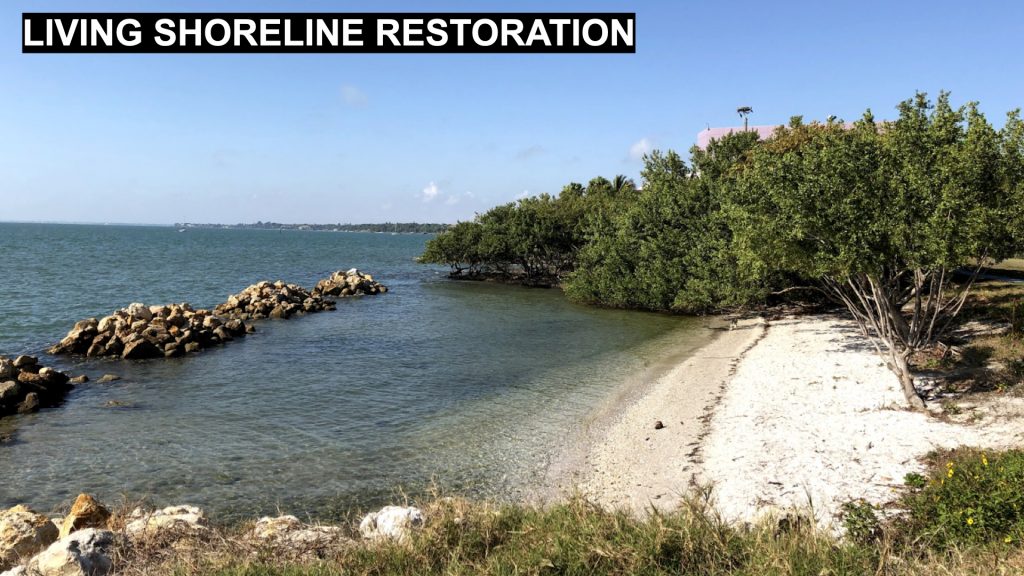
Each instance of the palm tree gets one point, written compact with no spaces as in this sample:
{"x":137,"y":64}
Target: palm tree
{"x":621,"y":184}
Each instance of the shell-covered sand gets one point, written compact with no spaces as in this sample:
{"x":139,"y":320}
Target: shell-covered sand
{"x":801,"y":414}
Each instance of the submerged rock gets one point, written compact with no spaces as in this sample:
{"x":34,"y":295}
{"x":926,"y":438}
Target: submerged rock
{"x":394,"y":523}
{"x":23,"y":532}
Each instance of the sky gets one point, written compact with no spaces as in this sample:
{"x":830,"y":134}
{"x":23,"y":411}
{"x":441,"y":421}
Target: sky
{"x":164,"y":138}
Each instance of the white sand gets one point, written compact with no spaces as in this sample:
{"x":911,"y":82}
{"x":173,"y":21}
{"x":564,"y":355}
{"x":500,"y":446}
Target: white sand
{"x":630,"y":464}
{"x":813,"y":418}
{"x":800,"y":413}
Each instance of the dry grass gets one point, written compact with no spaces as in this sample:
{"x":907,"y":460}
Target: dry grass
{"x":463,"y":538}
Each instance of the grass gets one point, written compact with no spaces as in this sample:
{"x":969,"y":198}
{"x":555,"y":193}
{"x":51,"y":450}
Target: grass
{"x":577,"y":538}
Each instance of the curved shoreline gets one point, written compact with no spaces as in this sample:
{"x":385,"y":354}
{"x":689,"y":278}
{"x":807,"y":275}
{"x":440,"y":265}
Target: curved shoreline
{"x":799,"y":417}
{"x":622,"y":461}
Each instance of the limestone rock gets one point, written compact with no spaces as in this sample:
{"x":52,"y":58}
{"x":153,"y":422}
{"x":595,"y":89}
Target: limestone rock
{"x":173,"y":521}
{"x":289,"y":531}
{"x":86,"y":512}
{"x":83,"y":553}
{"x":348,"y":283}
{"x":394,"y":523}
{"x":24,"y":361}
{"x":140,"y":348}
{"x":23,"y":532}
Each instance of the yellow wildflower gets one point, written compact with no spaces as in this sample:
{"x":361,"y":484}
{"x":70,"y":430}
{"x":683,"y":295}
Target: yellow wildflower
{"x":984,"y":460}
{"x":970,"y":521}
{"x":1007,"y":539}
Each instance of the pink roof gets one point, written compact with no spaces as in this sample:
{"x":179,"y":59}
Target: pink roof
{"x":705,"y":136}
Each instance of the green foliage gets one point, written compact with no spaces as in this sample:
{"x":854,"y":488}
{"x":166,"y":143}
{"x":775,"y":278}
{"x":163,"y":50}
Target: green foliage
{"x":969,"y":498}
{"x":671,"y":248}
{"x":534,"y":240}
{"x":860,"y":521}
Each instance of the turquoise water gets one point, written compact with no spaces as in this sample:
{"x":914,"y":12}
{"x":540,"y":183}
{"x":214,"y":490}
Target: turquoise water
{"x":471,"y":387}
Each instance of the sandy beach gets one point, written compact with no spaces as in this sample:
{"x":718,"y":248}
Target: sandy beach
{"x":624,"y":461}
{"x":797,"y":414}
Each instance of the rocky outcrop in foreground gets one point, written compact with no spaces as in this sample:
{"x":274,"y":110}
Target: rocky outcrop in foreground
{"x":140,"y":331}
{"x":349,"y":283}
{"x":25,"y":386}
{"x":92,"y":540}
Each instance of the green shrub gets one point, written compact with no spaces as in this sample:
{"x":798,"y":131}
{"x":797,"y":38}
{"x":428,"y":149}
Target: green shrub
{"x":860,"y":521}
{"x":969,"y":497}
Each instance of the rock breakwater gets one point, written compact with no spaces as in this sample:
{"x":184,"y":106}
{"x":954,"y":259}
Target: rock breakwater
{"x":272,"y":300}
{"x":26,"y":386}
{"x":349,"y":283}
{"x":141,"y":331}
{"x":165,"y":331}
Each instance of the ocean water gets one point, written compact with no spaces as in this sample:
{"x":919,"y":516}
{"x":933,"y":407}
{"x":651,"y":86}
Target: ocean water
{"x":468,"y":387}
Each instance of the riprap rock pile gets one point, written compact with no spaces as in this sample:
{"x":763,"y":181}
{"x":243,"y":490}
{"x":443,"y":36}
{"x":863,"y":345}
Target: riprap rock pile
{"x":349,"y":283}
{"x":25,"y":386}
{"x":141,"y":331}
{"x":272,"y":300}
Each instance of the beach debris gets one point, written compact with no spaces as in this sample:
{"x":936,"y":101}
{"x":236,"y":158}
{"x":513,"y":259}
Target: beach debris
{"x":394,"y":523}
{"x":23,"y":532}
{"x":86,"y":512}
{"x":82,"y":553}
{"x":351,"y":282}
{"x":25,"y":386}
{"x":659,"y":425}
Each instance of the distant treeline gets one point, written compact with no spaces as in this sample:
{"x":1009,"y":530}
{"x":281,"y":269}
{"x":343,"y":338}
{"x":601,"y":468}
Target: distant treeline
{"x":396,"y":227}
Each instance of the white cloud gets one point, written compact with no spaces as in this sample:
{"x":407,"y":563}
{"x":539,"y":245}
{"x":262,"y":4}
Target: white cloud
{"x":353,"y":96}
{"x":639,"y":148}
{"x":523,"y":194}
{"x":430,"y":192}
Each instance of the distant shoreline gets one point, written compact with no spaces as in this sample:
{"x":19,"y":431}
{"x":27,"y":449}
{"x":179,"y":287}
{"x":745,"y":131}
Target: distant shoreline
{"x":386,"y":227}
{"x":383,"y":228}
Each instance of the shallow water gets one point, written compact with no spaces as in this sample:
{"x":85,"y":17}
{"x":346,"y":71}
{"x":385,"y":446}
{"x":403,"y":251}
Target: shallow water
{"x":469,"y":386}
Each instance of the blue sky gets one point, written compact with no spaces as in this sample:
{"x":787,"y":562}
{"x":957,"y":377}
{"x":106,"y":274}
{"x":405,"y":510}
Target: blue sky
{"x":373,"y":138}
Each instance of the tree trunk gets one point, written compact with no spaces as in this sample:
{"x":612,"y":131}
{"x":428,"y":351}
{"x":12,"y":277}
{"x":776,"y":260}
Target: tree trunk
{"x":902,"y":369}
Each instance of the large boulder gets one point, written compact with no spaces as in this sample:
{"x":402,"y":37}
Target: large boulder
{"x":23,"y":532}
{"x":86,"y":512}
{"x":171,"y":522}
{"x":83,"y":553}
{"x":394,"y":523}
{"x":140,"y":348}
